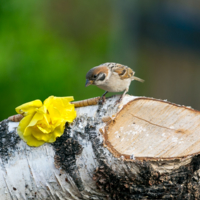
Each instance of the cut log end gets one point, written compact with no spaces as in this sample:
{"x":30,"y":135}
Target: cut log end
{"x":149,"y":129}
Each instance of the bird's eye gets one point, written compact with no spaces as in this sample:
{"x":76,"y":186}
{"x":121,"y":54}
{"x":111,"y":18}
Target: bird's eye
{"x":95,"y":76}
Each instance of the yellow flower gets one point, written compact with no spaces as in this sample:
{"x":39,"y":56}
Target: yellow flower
{"x":44,"y":123}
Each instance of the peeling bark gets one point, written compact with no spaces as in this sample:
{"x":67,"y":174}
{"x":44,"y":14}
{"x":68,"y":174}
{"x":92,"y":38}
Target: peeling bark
{"x":143,"y":149}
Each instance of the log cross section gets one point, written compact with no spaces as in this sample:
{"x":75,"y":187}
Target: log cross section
{"x":153,"y":129}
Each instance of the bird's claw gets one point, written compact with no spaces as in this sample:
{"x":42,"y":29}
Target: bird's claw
{"x":102,"y":100}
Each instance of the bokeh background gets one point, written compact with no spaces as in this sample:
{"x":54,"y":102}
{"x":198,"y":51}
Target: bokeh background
{"x":47,"y":47}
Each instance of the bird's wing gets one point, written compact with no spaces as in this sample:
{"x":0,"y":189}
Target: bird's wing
{"x":124,"y":72}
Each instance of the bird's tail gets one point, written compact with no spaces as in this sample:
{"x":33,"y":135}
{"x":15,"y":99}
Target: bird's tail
{"x":137,"y":79}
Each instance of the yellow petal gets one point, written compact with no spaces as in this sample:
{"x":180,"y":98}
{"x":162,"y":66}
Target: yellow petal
{"x":39,"y":135}
{"x":60,"y":109}
{"x":45,"y":130}
{"x":59,"y":130}
{"x":42,"y":110}
{"x":24,"y":123}
{"x":54,"y":113}
{"x":69,"y":116}
{"x":28,"y":108}
{"x":29,"y":130}
{"x":33,"y":142}
{"x":58,"y":101}
{"x":36,"y":117}
{"x":44,"y":123}
{"x":48,"y":101}
{"x":51,"y":137}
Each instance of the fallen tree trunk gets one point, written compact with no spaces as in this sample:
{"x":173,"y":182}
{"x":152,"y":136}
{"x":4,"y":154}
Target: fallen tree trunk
{"x":143,"y":149}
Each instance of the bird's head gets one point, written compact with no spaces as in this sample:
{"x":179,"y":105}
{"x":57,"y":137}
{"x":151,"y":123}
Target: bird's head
{"x":97,"y":75}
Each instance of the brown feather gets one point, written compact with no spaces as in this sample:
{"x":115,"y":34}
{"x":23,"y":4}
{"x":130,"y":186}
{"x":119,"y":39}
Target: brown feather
{"x":137,"y":79}
{"x":96,"y":70}
{"x":103,"y":69}
{"x":120,"y":69}
{"x":123,"y":71}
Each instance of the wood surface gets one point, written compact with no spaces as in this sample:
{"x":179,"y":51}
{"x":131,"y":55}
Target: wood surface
{"x":148,"y":128}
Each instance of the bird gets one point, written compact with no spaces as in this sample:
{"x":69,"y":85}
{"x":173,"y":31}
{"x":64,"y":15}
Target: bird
{"x":111,"y":77}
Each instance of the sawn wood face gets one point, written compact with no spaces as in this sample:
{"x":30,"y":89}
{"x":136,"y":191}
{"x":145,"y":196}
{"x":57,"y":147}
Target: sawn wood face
{"x":153,"y":129}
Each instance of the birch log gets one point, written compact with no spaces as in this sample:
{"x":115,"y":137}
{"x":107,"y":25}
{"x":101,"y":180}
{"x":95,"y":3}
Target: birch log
{"x":143,"y":149}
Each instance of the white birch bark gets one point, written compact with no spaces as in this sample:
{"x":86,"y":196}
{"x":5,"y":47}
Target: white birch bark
{"x":94,"y":159}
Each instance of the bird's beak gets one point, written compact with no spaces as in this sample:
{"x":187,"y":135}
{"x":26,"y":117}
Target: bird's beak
{"x":88,"y":82}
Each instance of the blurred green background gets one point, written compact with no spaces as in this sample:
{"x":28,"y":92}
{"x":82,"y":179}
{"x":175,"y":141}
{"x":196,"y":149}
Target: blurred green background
{"x":47,"y":47}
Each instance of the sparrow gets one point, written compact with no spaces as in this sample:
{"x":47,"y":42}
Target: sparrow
{"x":111,"y":77}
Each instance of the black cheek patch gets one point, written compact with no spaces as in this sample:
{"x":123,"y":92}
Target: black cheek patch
{"x":101,"y":77}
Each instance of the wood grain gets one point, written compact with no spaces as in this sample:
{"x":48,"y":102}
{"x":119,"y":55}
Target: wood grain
{"x":147,"y":128}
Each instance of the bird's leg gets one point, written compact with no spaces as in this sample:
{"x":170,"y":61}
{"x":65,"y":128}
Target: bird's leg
{"x":122,"y":96}
{"x":103,"y":98}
